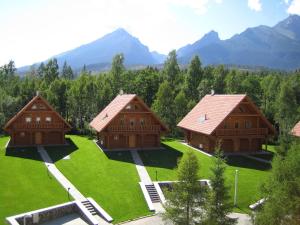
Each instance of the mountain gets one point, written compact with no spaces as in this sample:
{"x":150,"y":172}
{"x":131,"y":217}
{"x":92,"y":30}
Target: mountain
{"x":98,"y":54}
{"x":274,"y":47}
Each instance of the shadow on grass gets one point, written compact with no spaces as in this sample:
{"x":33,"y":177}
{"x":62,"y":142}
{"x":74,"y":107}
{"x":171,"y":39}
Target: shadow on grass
{"x":166,"y":158}
{"x":124,"y":156}
{"x":57,"y":153}
{"x":241,"y":161}
{"x":24,"y":152}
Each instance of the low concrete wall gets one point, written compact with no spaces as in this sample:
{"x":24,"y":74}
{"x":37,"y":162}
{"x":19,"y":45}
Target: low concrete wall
{"x":44,"y":215}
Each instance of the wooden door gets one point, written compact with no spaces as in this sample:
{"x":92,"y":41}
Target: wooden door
{"x":38,"y":138}
{"x":132,"y":141}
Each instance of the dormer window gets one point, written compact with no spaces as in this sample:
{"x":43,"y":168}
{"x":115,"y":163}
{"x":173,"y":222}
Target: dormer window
{"x":38,"y":119}
{"x":34,"y":107}
{"x":28,"y":119}
{"x":48,"y":119}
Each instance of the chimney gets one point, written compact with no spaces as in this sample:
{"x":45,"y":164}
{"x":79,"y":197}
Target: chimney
{"x":121,"y":92}
{"x":37,"y":93}
{"x":212,"y":92}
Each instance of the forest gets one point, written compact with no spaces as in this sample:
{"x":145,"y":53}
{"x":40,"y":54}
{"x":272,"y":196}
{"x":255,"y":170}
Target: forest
{"x":170,"y":92}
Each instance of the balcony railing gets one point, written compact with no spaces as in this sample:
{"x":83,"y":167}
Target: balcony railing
{"x":236,"y":132}
{"x":39,"y":125}
{"x":151,"y":128}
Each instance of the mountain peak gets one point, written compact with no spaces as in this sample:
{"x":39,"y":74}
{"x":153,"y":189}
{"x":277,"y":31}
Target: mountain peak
{"x":211,"y":36}
{"x":289,"y":27}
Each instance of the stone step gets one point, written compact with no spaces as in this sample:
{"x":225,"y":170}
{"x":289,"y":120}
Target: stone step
{"x":152,"y":193}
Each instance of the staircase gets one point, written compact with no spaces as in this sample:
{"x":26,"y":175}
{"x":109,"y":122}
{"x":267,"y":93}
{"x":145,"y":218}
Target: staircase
{"x":89,"y":207}
{"x":152,"y":193}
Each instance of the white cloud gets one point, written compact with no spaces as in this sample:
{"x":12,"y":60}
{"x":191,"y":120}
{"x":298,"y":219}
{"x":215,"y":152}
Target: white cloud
{"x":254,"y":5}
{"x":294,"y":8}
{"x":286,"y":1}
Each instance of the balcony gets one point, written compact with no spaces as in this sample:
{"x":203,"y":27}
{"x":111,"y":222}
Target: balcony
{"x":39,"y":126}
{"x":151,"y":128}
{"x":237,"y":132}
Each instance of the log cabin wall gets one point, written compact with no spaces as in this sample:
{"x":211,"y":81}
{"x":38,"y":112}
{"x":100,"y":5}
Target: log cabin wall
{"x":37,"y":124}
{"x":133,"y":127}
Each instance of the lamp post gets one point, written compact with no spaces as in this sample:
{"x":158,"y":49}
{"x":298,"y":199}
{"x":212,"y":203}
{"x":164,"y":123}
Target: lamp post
{"x":69,"y":193}
{"x":156,"y":174}
{"x":235,"y":187}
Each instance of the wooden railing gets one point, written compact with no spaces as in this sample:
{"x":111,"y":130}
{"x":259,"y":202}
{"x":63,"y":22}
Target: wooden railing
{"x":151,"y":128}
{"x":33,"y":125}
{"x":236,"y":132}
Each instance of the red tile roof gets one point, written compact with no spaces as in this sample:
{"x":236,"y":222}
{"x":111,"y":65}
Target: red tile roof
{"x":215,"y":108}
{"x":296,"y":130}
{"x":212,"y":110}
{"x":113,"y":109}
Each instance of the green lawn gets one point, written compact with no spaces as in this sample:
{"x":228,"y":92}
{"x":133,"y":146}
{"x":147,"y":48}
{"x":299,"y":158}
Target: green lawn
{"x":251,"y":172}
{"x":25,"y":184}
{"x":110,"y":178}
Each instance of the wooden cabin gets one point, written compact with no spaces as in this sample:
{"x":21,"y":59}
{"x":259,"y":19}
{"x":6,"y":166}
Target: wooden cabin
{"x":296,"y":130}
{"x":37,"y":124}
{"x":128,"y":123}
{"x":232,"y":120}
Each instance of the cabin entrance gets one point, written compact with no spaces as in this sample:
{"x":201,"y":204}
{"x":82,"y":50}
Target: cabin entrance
{"x":132,"y":141}
{"x":38,"y":138}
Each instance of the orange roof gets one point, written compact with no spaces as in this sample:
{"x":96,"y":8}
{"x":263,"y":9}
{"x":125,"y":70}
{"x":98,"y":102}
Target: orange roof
{"x":212,"y":110}
{"x":113,"y":109}
{"x":296,"y":130}
{"x":28,"y":104}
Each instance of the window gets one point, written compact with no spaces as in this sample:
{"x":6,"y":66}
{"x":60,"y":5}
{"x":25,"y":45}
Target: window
{"x":131,"y":122}
{"x":38,"y":119}
{"x":116,"y":137}
{"x":236,"y":124}
{"x":122,"y":122}
{"x":34,"y":107}
{"x":128,"y":107}
{"x":48,"y":119}
{"x":22,"y":134}
{"x":28,"y":119}
{"x":142,"y":121}
{"x":248,"y":124}
{"x":136,"y":107}
{"x":42,"y":106}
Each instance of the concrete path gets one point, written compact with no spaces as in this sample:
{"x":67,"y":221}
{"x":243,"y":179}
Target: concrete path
{"x":67,"y":185}
{"x":144,"y":176}
{"x":258,"y":159}
{"x":242,"y":219}
{"x":197,"y":149}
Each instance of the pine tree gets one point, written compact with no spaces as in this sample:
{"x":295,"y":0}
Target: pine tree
{"x":218,"y":205}
{"x":193,"y":77}
{"x":282,"y":191}
{"x":187,"y":197}
{"x":171,"y":68}
{"x":67,"y":72}
{"x":117,"y":69}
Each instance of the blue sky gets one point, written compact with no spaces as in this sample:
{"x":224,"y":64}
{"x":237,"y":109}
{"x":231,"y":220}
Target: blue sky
{"x":34,"y":30}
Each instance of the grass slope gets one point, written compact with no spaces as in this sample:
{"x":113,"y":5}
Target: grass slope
{"x":25,"y":184}
{"x":251,"y":172}
{"x":110,"y":178}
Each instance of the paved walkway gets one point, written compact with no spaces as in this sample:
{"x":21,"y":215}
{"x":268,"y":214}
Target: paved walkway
{"x":59,"y":176}
{"x":242,"y":219}
{"x":258,"y":159}
{"x":144,"y":176}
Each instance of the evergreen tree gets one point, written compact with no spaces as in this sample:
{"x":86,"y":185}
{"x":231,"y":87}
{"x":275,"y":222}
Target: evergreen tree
{"x":117,"y":69}
{"x":67,"y":72}
{"x":187,"y":197}
{"x":180,"y":106}
{"x":282,"y":191}
{"x":41,"y":70}
{"x":163,"y":104}
{"x":218,"y":205}
{"x":193,"y":77}
{"x":51,"y":71}
{"x":171,"y":68}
